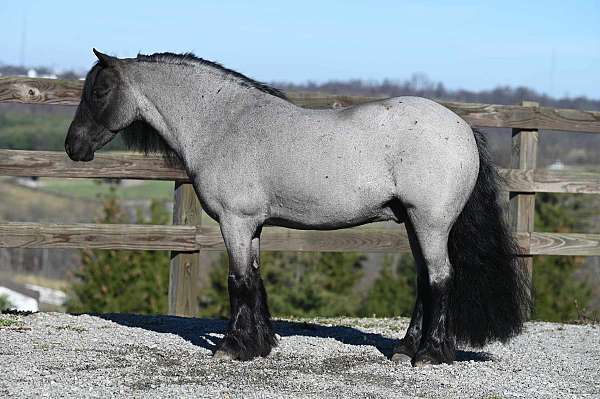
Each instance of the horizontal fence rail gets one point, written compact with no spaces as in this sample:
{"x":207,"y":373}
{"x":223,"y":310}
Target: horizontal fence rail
{"x":190,"y":238}
{"x":68,"y":92}
{"x":194,"y":238}
{"x":104,"y":166}
{"x":132,"y":166}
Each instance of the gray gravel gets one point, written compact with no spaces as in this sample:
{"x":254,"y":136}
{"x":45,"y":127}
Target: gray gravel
{"x":60,"y":355}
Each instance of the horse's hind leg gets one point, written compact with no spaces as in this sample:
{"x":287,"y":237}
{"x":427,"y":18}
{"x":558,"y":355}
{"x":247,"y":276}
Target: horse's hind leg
{"x":430,"y":246}
{"x":249,"y":333}
{"x":407,"y":348}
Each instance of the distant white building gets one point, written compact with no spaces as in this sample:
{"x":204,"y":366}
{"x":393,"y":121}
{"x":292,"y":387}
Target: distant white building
{"x":20,"y":298}
{"x":49,"y":295}
{"x":32,"y":73}
{"x":28,"y":297}
{"x":30,"y":182}
{"x":557,"y":165}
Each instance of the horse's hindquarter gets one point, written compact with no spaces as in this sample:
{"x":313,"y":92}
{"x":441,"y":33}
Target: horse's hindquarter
{"x":434,"y":157}
{"x":330,"y":169}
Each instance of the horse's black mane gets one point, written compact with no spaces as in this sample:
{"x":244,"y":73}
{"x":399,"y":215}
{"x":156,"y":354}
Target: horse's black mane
{"x":142,"y":137}
{"x":191,"y":59}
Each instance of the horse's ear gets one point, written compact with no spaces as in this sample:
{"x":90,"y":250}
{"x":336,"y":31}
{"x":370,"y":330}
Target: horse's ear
{"x":105,"y":60}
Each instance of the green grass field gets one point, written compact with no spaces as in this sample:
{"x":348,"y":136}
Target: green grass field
{"x":93,"y":189}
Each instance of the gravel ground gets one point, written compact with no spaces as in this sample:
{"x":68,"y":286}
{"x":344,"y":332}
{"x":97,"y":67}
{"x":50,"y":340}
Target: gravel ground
{"x":60,"y":355}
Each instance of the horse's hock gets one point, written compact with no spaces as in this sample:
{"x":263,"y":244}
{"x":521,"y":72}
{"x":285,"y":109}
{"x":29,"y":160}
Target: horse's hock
{"x":188,"y":237}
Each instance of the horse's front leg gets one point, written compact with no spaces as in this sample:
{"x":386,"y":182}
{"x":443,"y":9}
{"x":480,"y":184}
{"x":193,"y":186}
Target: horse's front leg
{"x":249,"y":333}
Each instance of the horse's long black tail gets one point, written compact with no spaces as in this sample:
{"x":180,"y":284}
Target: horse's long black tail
{"x":490,"y":295}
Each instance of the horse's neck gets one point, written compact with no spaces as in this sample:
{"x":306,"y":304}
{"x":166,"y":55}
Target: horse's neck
{"x":193,"y":108}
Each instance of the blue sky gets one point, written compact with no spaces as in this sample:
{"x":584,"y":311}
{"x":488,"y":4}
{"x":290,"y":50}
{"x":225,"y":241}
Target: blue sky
{"x":550,"y":46}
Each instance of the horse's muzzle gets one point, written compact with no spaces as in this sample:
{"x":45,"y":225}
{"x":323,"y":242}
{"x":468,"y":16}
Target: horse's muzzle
{"x":79,"y":151}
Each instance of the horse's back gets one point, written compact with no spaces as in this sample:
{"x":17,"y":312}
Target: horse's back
{"x":406,"y":114}
{"x":409,"y":137}
{"x":338,"y":163}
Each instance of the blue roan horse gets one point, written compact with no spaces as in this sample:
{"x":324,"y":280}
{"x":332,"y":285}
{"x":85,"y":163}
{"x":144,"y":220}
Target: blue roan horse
{"x":256,"y":159}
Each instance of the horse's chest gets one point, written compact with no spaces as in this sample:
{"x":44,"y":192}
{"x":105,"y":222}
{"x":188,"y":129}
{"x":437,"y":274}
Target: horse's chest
{"x":221,"y":191}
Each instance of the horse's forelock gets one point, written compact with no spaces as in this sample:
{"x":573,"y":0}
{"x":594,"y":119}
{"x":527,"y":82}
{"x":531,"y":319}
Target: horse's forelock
{"x":90,"y":79}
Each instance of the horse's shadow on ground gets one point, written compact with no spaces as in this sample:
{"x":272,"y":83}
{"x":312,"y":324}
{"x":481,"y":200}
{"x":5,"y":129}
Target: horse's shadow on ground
{"x":204,"y":332}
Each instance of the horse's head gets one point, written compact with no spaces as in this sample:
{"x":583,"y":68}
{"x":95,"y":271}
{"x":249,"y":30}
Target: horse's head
{"x":107,"y":106}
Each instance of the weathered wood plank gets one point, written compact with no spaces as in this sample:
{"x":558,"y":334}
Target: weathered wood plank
{"x":68,"y":92}
{"x":184,"y":272}
{"x":98,"y":236}
{"x":517,"y":180}
{"x":134,"y":166}
{"x":568,"y":244}
{"x":524,"y":156}
{"x":193,"y":238}
{"x":565,"y":181}
{"x":40,"y":91}
{"x":104,"y":165}
{"x":190,"y":238}
{"x":347,"y":240}
{"x":522,"y":205}
{"x":550,"y":181}
{"x":281,"y":239}
{"x":526,"y":117}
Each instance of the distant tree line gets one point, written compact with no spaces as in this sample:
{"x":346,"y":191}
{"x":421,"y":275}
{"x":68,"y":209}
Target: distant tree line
{"x":14,"y":70}
{"x":420,"y":85}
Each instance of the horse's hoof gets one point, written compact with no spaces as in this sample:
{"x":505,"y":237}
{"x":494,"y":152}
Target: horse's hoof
{"x":425,"y":362}
{"x":223,"y":355}
{"x":404,"y":351}
{"x":401,"y":358}
{"x":429,"y":359}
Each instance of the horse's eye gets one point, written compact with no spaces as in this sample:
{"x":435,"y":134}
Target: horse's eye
{"x":97,"y":93}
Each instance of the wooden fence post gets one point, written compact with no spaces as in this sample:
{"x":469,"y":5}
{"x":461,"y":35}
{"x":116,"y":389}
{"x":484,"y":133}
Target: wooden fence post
{"x":185,"y":271}
{"x":522,"y":205}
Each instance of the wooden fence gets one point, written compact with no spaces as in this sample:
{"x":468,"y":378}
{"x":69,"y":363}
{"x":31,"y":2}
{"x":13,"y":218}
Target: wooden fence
{"x":188,"y":237}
